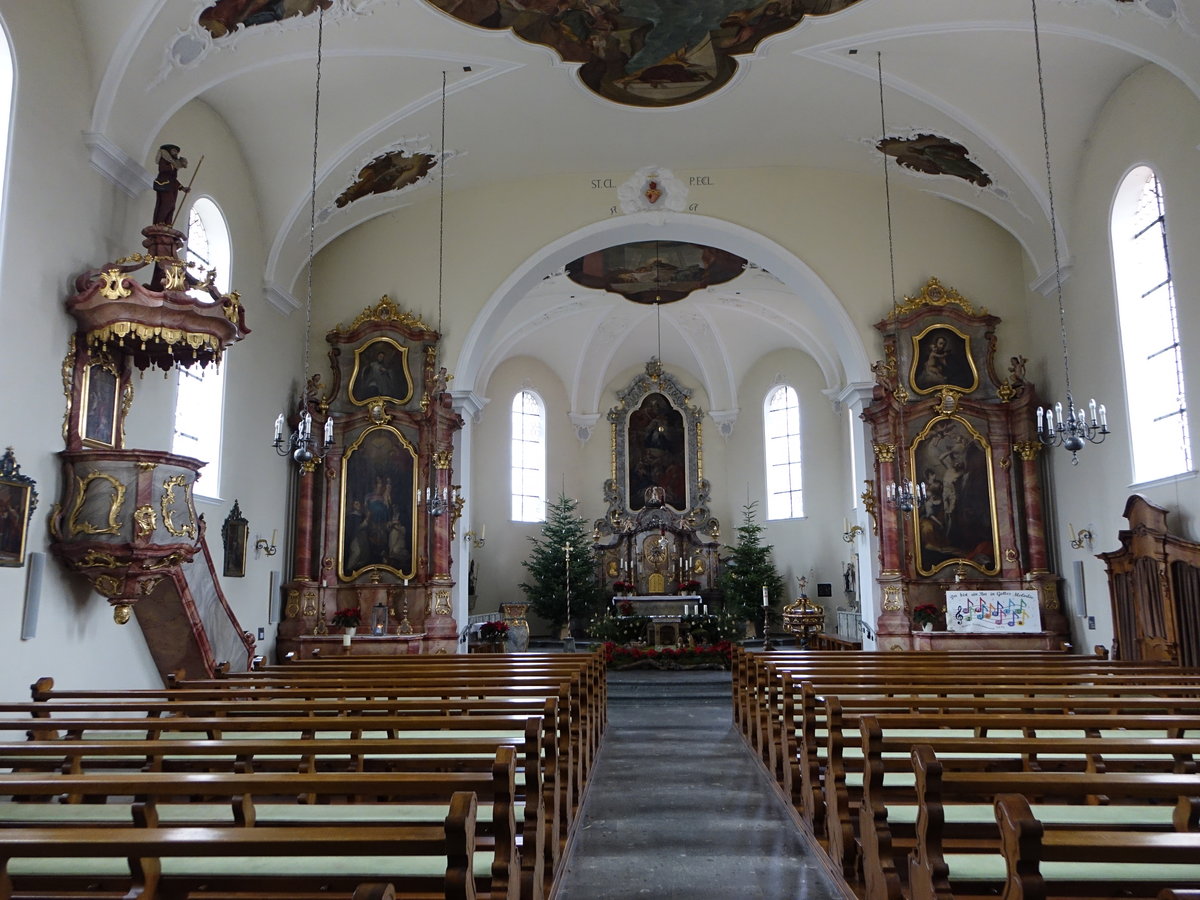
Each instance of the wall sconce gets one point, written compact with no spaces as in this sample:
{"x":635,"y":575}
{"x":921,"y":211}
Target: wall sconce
{"x":850,"y":532}
{"x":476,"y":540}
{"x":1081,"y":537}
{"x":262,"y":546}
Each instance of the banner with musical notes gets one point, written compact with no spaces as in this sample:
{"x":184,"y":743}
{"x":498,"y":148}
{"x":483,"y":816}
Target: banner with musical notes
{"x":992,"y":611}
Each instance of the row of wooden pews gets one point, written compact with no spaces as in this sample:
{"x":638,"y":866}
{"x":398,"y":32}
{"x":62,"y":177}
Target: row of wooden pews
{"x":414,"y":776}
{"x":932,"y":776}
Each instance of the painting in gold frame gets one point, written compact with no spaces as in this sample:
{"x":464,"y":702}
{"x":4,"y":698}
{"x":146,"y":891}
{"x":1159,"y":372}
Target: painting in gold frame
{"x":235,"y":535}
{"x":18,"y":500}
{"x":101,"y":396}
{"x":380,"y":373}
{"x":378,"y":523}
{"x":941,"y":357}
{"x":956,"y":522}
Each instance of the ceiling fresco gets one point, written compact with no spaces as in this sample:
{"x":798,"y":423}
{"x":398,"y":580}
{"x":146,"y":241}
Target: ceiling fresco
{"x":934,"y":155}
{"x":225,"y":16}
{"x":655,"y":271}
{"x":388,"y":172}
{"x":649,"y":53}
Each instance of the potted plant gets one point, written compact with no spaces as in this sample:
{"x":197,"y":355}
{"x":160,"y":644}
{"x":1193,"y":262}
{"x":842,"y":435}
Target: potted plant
{"x":926,"y":615}
{"x":348,"y":620}
{"x":494,"y":634}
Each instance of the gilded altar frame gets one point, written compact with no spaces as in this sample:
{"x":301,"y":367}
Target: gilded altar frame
{"x":378,"y":505}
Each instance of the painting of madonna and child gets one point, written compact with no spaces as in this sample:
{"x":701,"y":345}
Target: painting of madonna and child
{"x":378,"y":505}
{"x":657,"y":455}
{"x":956,"y":520}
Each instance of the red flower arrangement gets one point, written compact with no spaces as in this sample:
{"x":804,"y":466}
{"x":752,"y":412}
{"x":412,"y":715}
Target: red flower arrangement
{"x":717,"y":655}
{"x":622,"y":587}
{"x":687,"y":587}
{"x":493,"y":631}
{"x":625,"y":608}
{"x":347,"y":618}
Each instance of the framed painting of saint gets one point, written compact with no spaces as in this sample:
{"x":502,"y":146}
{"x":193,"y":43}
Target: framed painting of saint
{"x":380,"y":373}
{"x":956,"y":521}
{"x":941,"y":358}
{"x":101,"y":394}
{"x":379,"y":505}
{"x":18,"y":499}
{"x":657,"y":455}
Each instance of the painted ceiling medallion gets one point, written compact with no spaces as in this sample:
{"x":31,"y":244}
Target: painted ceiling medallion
{"x":649,"y":53}
{"x":655,"y":271}
{"x":387,"y":172}
{"x":226,"y":16}
{"x":934,"y":155}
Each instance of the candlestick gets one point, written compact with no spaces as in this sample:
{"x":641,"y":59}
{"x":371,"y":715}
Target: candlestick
{"x":279,"y":428}
{"x":766,"y":597}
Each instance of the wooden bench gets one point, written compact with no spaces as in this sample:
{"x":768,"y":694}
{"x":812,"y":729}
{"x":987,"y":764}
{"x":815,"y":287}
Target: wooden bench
{"x":427,"y":860}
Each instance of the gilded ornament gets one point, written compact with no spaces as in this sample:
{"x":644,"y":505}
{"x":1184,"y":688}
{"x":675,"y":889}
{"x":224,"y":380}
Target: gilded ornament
{"x":1050,"y":596}
{"x":146,"y":586}
{"x":384,"y":311}
{"x":108,"y":585}
{"x":441,"y":459}
{"x":171,"y":559}
{"x":892,"y":598}
{"x":126,"y":403}
{"x":1005,"y":391}
{"x":1006,"y":463}
{"x":96,"y":559}
{"x":947,"y":401}
{"x":377,"y":413}
{"x":1027,"y":450}
{"x":309,"y":607}
{"x":293,"y":603}
{"x":121,"y":613}
{"x":68,"y":380}
{"x":114,"y":285}
{"x":75,"y":527}
{"x":1010,"y":554}
{"x":147,"y":466}
{"x":885,"y":452}
{"x":441,"y":598}
{"x":145,"y":519}
{"x":175,"y":280}
{"x":935,"y":294}
{"x":167,"y":502}
{"x":870,"y":504}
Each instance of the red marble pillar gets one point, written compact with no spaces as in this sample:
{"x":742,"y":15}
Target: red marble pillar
{"x":1035,"y":526}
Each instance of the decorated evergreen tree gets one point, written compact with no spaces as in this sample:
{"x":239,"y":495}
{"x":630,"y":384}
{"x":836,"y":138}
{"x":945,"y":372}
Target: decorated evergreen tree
{"x":546,"y":589}
{"x":748,"y":569}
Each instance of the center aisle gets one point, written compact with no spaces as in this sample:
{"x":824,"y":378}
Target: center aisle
{"x":678,"y":808}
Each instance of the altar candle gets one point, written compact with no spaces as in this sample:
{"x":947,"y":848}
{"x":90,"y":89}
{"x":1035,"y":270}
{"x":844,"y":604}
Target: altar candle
{"x":685,"y":610}
{"x":279,"y":428}
{"x":1041,"y":416}
{"x":765,"y":597}
{"x":483,"y":533}
{"x":706,"y":609}
{"x":329,"y":430}
{"x":1103,"y":417}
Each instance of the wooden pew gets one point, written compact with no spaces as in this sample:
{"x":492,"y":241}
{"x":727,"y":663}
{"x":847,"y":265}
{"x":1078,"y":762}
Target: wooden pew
{"x":1159,"y":858}
{"x":167,"y":859}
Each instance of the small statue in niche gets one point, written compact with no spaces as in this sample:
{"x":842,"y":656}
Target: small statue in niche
{"x":166,"y":184}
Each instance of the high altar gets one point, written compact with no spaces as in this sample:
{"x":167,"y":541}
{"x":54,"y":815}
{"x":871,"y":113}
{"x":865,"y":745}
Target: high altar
{"x":943,"y":423}
{"x":657,"y":543}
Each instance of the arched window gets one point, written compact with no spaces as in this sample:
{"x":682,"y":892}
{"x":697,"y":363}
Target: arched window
{"x":1154,"y":391}
{"x":528,"y":458}
{"x":6,"y":99}
{"x":200,"y":393}
{"x":781,"y":437}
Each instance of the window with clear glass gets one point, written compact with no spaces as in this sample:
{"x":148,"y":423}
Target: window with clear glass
{"x":1150,"y":351}
{"x":6,"y":98}
{"x":200,"y":393}
{"x":781,"y":432}
{"x":528,"y":458}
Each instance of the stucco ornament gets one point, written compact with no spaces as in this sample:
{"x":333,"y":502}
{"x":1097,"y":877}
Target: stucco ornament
{"x":652,"y":189}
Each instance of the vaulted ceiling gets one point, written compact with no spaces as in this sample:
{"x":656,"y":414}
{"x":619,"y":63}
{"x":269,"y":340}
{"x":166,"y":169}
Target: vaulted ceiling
{"x":962,"y":70}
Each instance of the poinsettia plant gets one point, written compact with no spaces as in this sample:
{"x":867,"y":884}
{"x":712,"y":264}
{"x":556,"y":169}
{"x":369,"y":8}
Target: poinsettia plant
{"x":347,"y":618}
{"x":925,"y":614}
{"x":687,"y":587}
{"x":493,"y":631}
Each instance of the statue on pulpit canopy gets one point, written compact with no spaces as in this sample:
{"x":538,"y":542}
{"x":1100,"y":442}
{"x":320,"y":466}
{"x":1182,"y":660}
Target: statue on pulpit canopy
{"x":166,"y":184}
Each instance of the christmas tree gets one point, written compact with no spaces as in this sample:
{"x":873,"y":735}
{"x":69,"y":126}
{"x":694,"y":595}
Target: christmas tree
{"x":748,"y":570}
{"x":547,"y":588}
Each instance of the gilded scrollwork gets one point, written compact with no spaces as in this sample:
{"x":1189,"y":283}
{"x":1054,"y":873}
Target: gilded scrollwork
{"x":935,"y":294}
{"x":68,"y":380}
{"x":167,"y":506}
{"x":116,"y":501}
{"x":893,"y":598}
{"x":293,"y":603}
{"x":1027,"y":450}
{"x":385,"y":311}
{"x":114,"y":287}
{"x":441,"y":602}
{"x":871,"y":503}
{"x":145,"y":519}
{"x":885,"y":452}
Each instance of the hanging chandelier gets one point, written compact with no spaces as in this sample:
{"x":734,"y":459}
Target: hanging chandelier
{"x":1073,"y":426}
{"x":902,"y":493}
{"x":300,"y":444}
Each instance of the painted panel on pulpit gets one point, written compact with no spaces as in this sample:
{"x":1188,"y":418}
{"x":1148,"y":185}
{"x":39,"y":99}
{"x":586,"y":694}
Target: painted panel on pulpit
{"x":657,"y":455}
{"x":379,"y":509}
{"x":957,"y":520}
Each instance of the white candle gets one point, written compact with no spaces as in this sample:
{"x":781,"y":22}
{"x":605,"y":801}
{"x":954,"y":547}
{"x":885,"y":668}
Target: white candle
{"x":1041,"y":420}
{"x":765,"y":596}
{"x":1103,"y":417}
{"x":329,"y":430}
{"x":483,"y":532}
{"x":706,"y":609}
{"x":274,"y":531}
{"x":1092,"y":407}
{"x":305,"y":425}
{"x":279,"y":428}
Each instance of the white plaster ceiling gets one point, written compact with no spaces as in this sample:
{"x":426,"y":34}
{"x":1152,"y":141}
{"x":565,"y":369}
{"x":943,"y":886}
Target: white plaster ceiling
{"x":961,"y":68}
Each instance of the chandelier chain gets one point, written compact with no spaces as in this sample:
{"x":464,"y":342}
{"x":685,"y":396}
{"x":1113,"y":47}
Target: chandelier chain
{"x":442,"y":205}
{"x":1062,"y":315}
{"x":887,"y":187}
{"x":312,"y":206}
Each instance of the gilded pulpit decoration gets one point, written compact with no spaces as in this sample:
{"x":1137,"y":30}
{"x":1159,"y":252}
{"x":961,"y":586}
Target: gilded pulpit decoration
{"x":942,"y":420}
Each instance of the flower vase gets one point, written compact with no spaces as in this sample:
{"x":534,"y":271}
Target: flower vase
{"x":518,"y":625}
{"x":348,"y":634}
{"x":927,"y":626}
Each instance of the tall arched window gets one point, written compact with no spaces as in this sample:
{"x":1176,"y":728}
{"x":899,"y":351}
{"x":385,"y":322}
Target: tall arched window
{"x":781,"y":434}
{"x":6,"y":100}
{"x":528,"y":458}
{"x":200,"y":393}
{"x":1150,"y":351}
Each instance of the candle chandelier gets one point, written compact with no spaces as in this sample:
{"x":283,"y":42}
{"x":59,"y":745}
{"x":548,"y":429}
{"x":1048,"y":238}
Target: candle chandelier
{"x":300,"y":444}
{"x":901,"y":493}
{"x":1071,"y":427}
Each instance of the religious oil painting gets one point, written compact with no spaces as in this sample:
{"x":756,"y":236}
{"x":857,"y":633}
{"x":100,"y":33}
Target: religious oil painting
{"x":957,"y":519}
{"x":235,"y":535}
{"x":657,"y":455}
{"x":647,"y":53}
{"x":226,"y":16}
{"x":387,"y":172}
{"x":100,"y":398}
{"x":942,"y":358}
{"x":655,"y":271}
{"x":379,"y":505}
{"x":18,"y":500}
{"x":935,"y":155}
{"x":381,"y":373}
